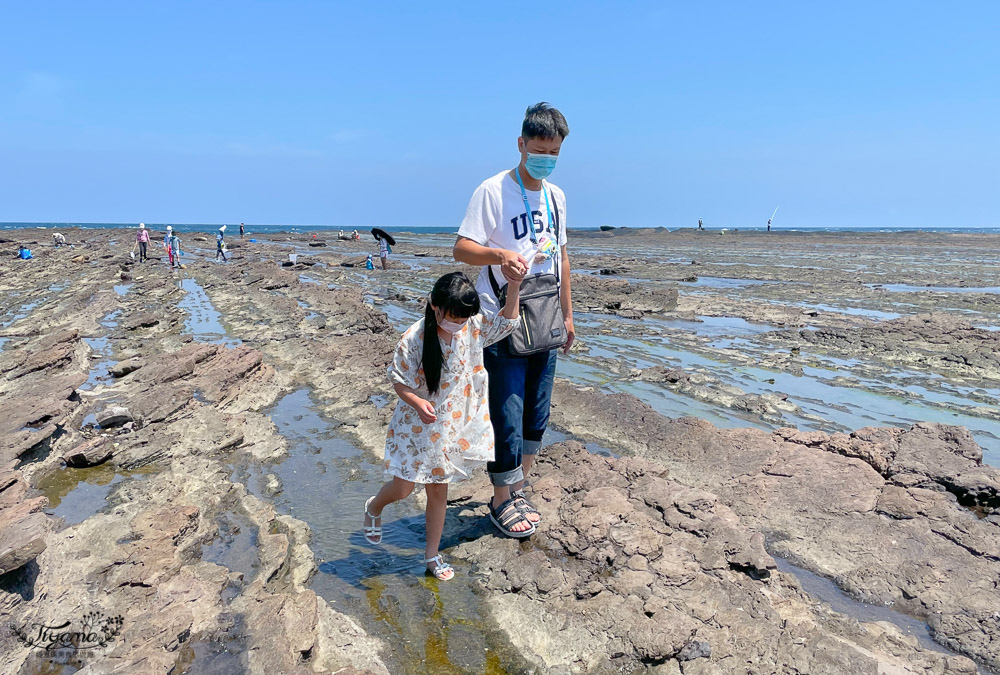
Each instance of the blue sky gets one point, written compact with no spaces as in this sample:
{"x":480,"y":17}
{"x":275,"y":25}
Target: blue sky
{"x":852,"y":114}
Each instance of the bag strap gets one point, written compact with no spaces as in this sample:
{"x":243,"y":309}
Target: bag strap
{"x":493,"y":283}
{"x":531,"y":230}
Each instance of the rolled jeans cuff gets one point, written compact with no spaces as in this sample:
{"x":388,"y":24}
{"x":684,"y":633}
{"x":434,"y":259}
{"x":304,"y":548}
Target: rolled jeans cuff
{"x":530,"y":447}
{"x":512,"y":477}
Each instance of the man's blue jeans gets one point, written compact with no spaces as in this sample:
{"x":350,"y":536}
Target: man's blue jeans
{"x":520,"y":394}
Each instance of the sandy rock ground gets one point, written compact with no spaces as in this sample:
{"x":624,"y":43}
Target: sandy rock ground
{"x":659,"y":560}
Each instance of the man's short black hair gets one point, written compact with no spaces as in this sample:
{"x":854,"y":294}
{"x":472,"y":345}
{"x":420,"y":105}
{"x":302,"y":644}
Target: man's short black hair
{"x":543,"y":121}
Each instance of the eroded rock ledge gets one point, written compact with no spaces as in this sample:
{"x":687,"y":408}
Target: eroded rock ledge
{"x":906,"y":518}
{"x":632,"y":568}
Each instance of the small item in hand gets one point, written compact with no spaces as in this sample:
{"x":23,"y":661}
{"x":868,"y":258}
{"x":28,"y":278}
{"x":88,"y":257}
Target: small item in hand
{"x":546,"y":248}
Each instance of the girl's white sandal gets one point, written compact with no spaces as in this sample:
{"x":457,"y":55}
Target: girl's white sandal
{"x":373,"y":533}
{"x":441,"y":568}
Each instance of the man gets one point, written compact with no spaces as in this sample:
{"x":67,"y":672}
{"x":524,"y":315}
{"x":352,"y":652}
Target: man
{"x":141,"y":240}
{"x":242,"y":230}
{"x":220,"y":244}
{"x":494,"y":234}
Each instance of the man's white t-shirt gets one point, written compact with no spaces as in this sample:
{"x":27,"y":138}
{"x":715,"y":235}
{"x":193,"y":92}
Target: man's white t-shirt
{"x":496,"y":219}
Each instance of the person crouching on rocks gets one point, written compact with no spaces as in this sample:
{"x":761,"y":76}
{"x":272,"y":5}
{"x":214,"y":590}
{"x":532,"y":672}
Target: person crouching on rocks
{"x":220,"y":244}
{"x":441,"y":427}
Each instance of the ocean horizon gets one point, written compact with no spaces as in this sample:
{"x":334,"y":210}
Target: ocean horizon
{"x":430,"y":229}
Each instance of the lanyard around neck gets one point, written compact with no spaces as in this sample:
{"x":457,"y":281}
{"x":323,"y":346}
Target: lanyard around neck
{"x":527,"y":207}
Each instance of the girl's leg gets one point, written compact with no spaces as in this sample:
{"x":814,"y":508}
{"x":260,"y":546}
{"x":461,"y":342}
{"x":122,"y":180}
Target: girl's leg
{"x":437,"y":504}
{"x":392,"y":491}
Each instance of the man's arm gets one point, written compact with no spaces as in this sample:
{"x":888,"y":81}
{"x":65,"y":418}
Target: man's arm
{"x":566,"y":300}
{"x":513,"y":265}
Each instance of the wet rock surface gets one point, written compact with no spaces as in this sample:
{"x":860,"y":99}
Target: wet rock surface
{"x":894,"y":531}
{"x":166,"y":431}
{"x":632,"y":569}
{"x":658,"y":561}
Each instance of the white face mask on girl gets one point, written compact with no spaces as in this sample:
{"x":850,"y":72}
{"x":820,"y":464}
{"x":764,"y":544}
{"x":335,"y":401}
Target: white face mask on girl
{"x":449,"y":326}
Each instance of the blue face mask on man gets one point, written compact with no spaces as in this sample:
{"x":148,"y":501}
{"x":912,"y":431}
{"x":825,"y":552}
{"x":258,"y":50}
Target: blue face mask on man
{"x":540,"y":166}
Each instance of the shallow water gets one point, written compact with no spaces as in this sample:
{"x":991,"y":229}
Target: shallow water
{"x":826,"y":590}
{"x":726,"y":282}
{"x":827,"y":403}
{"x":853,"y":311}
{"x":21,"y":312}
{"x":428,"y":626}
{"x":204,"y":322}
{"x":907,"y":288}
{"x":76,"y":494}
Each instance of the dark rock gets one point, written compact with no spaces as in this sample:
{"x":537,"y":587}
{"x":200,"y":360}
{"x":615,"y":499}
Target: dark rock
{"x":91,"y":453}
{"x":696,"y":649}
{"x":123,"y":368}
{"x":114,"y":416}
{"x":143,"y":320}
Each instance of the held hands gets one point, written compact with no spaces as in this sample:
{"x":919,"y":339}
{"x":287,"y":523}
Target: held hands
{"x":425,"y":410}
{"x":513,"y":266}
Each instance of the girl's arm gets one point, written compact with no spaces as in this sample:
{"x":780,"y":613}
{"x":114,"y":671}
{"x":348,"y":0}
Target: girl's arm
{"x":425,"y":409}
{"x":511,"y":308}
{"x":495,"y":328}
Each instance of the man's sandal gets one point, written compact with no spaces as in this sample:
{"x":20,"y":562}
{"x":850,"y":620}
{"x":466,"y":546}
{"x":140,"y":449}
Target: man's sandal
{"x":507,"y":515}
{"x":442,"y":570}
{"x":373,"y":533}
{"x":525,"y":507}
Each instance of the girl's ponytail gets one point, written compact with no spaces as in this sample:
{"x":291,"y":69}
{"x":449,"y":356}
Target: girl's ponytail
{"x":432,"y":359}
{"x":455,"y":295}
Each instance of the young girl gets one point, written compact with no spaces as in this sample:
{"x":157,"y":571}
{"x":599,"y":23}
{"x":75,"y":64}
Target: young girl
{"x":441,"y":428}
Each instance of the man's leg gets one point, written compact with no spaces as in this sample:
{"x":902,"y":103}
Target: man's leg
{"x":506,"y":411}
{"x":540,"y":377}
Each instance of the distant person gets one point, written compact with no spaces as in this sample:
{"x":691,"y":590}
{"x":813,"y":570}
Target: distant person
{"x":141,"y":242}
{"x":700,"y":225}
{"x":220,"y":244}
{"x":58,"y":240}
{"x":24,"y":253}
{"x":440,"y":431}
{"x":166,"y":244}
{"x":768,"y":224}
{"x":515,"y":229}
{"x":174,"y":250}
{"x":356,"y":235}
{"x":383,"y":252}
{"x":369,"y":264}
{"x":242,"y":231}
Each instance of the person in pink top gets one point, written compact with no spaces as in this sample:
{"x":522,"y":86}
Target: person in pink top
{"x":141,"y":240}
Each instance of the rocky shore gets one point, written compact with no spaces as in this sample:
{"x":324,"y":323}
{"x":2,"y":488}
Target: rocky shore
{"x":661,"y":556}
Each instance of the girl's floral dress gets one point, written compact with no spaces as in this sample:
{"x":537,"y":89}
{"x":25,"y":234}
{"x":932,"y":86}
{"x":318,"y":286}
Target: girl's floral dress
{"x":461,"y":438}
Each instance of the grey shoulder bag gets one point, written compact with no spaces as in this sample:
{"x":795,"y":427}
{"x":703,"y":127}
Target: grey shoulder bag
{"x":542,"y":326}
